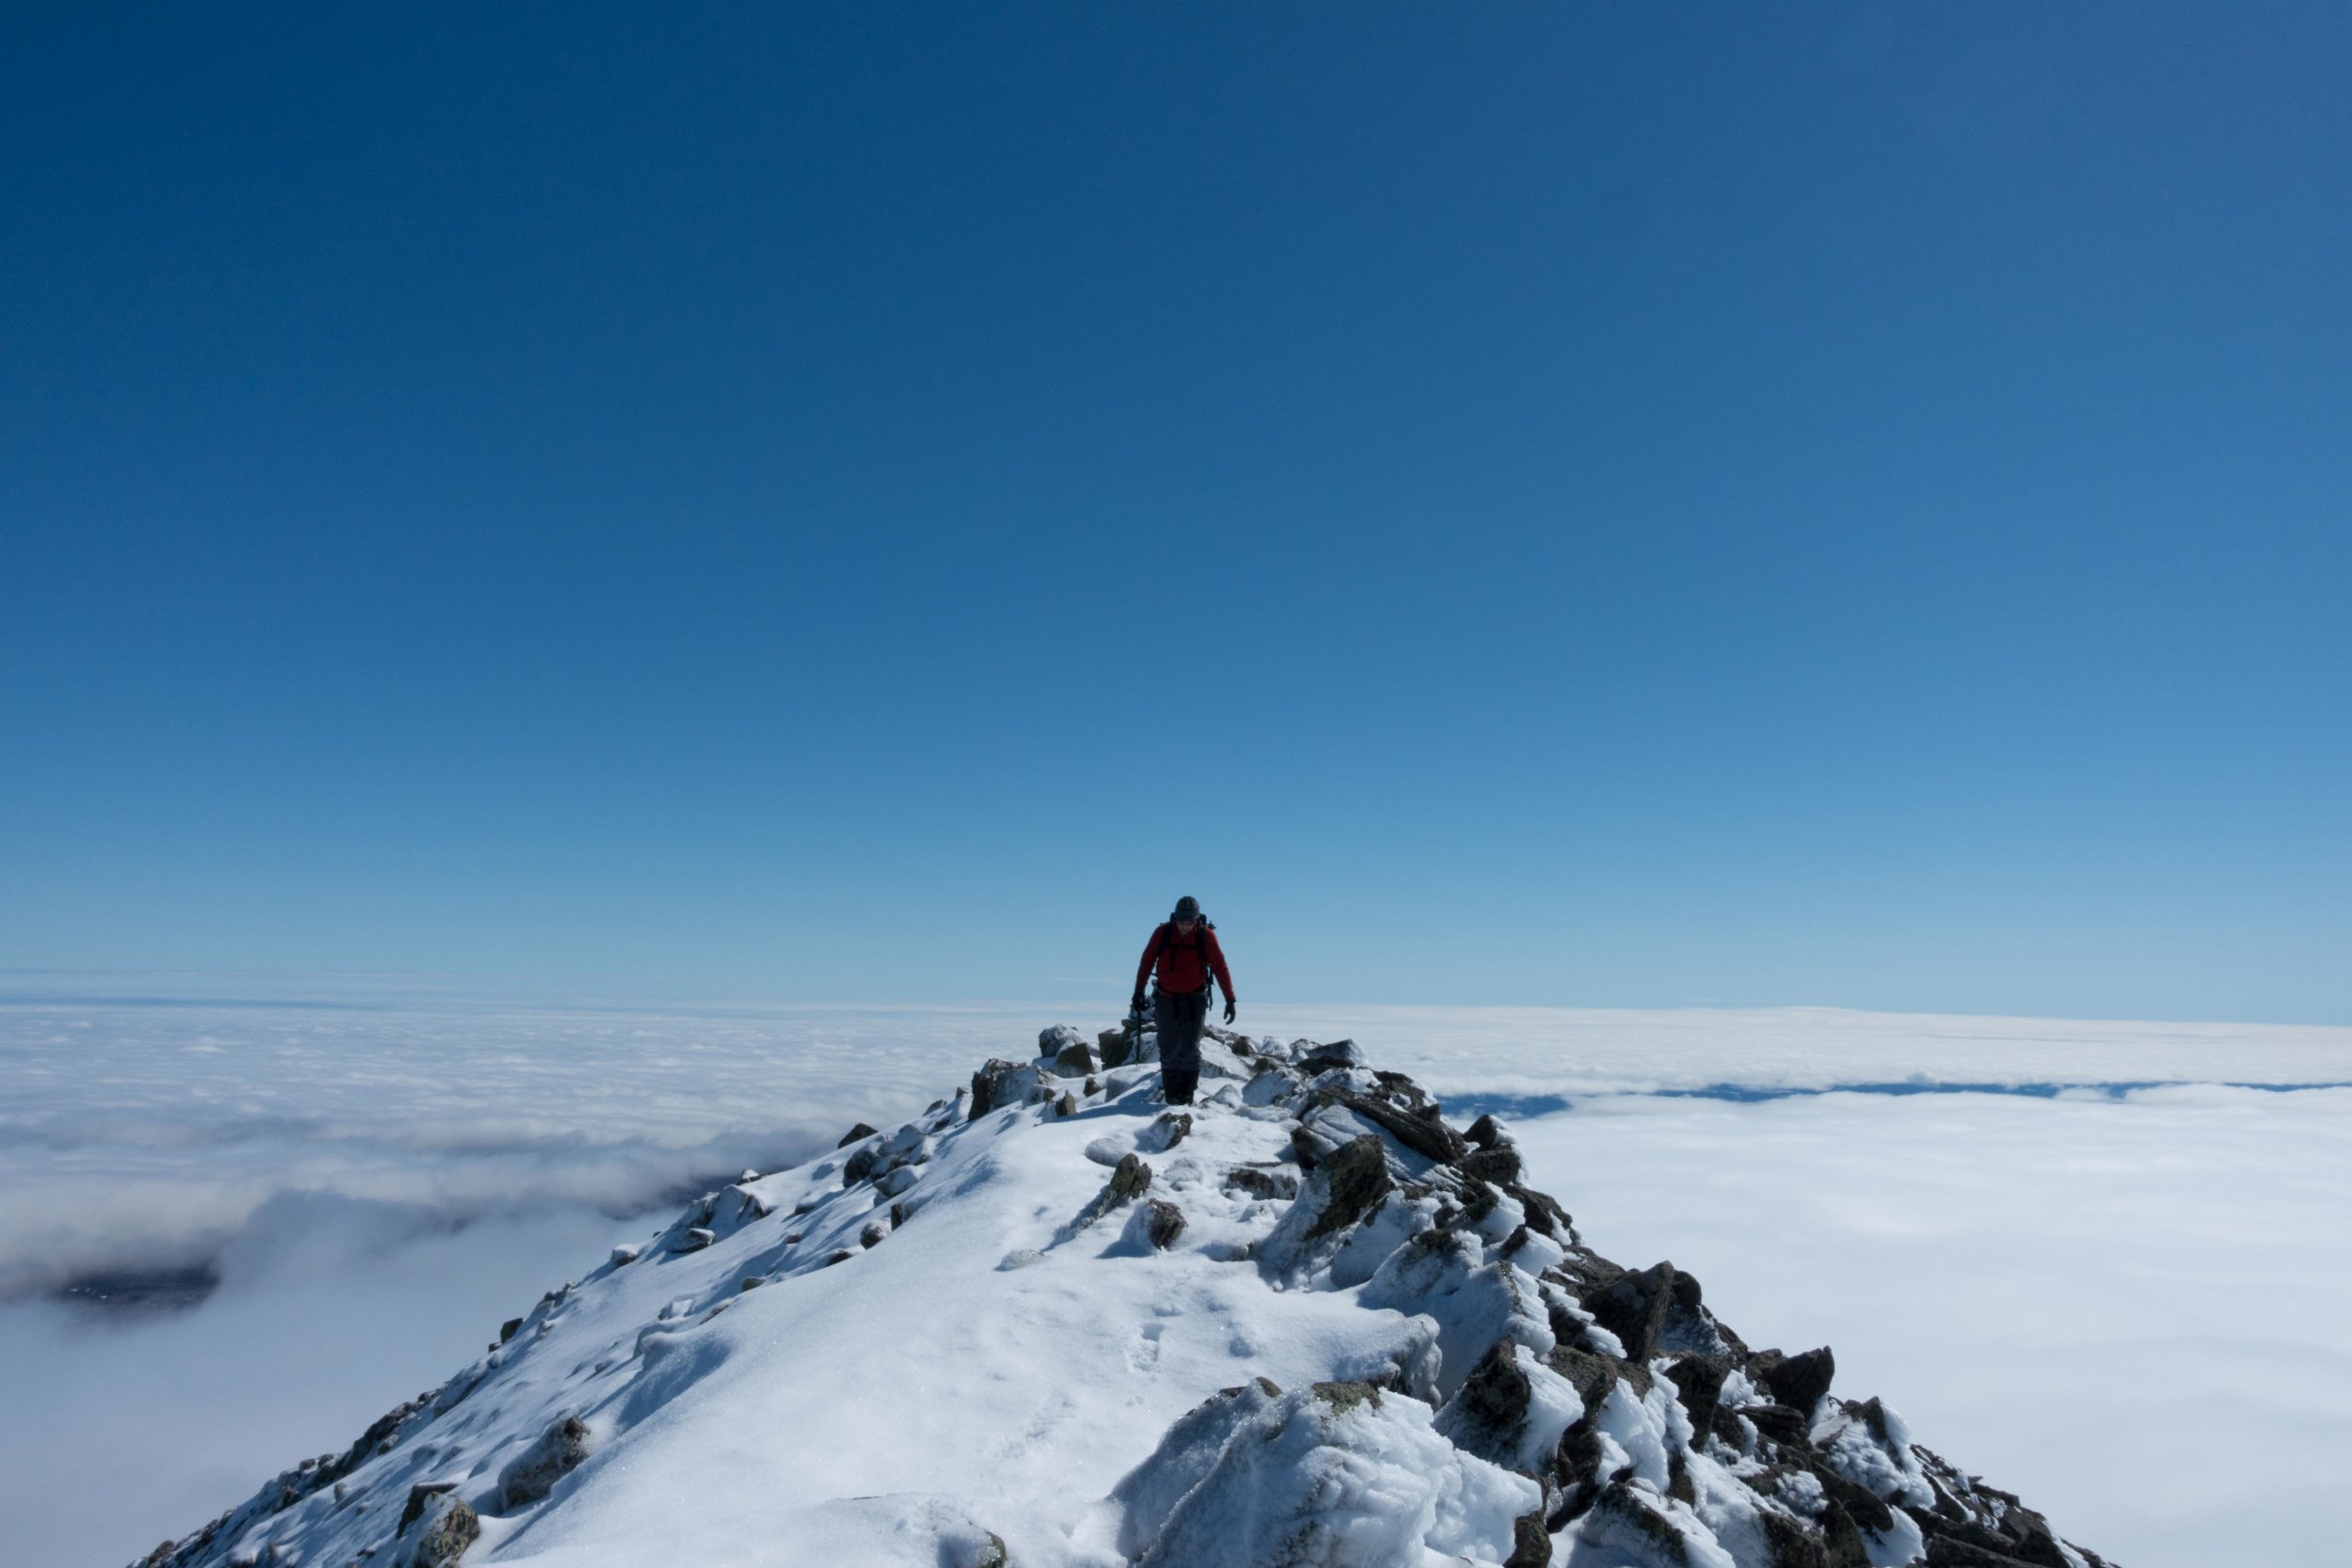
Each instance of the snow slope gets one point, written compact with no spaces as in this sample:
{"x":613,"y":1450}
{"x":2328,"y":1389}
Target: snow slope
{"x":1050,"y":1322}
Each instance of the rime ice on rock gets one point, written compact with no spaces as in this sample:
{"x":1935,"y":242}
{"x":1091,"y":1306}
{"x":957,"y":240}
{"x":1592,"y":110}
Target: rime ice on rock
{"x":1467,"y":1382}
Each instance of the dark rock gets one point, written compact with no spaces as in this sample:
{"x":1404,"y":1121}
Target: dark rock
{"x":1304,"y":1148}
{"x":1421,"y":1130}
{"x":1700,"y":1381}
{"x":999,"y":1084}
{"x":861,"y":1164}
{"x":508,"y":1329}
{"x":873,"y":1235}
{"x":1678,"y":1485}
{"x":854,"y":1133}
{"x":1485,"y":1133}
{"x":1593,"y":1375}
{"x":1172,"y":1128}
{"x":1499,"y":1165}
{"x":1163,"y":1223}
{"x":1621,"y":1505}
{"x":1945,"y":1552}
{"x":1073,"y":1061}
{"x":694,"y":1240}
{"x":1354,"y":1178}
{"x":1129,"y":1178}
{"x":1792,"y":1428}
{"x":1633,"y":1307}
{"x":1531,"y":1544}
{"x":1796,"y":1381}
{"x":1790,"y":1543}
{"x":841,"y":1256}
{"x":420,"y":1497}
{"x":2024,"y":1536}
{"x":1842,"y":1542}
{"x":447,"y":1535}
{"x":1488,"y":1415}
{"x":1114,"y":1044}
{"x":1860,"y":1506}
{"x":1067,"y":1106}
{"x":559,"y":1451}
{"x":1339,"y":1054}
{"x":1259,"y":1182}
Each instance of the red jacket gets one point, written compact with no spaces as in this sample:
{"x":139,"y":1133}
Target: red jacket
{"x":1182,"y":960}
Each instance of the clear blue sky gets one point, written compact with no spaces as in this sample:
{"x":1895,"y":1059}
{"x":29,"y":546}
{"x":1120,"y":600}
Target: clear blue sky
{"x":1585,"y":503}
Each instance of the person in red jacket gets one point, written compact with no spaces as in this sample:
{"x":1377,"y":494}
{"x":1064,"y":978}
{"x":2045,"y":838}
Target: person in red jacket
{"x":1185,"y":951}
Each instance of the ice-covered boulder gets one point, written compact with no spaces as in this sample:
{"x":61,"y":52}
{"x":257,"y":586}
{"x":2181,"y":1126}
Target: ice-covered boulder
{"x":1339,"y":1475}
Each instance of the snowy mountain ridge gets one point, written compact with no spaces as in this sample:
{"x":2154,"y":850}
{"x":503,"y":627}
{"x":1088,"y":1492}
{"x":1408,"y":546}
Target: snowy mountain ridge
{"x":1052,"y":1323}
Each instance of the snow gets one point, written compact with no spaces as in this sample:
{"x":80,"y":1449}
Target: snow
{"x":2011,"y":1271}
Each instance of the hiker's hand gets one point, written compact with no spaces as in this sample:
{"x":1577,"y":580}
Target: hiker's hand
{"x":1229,"y":1009}
{"x":1135,"y":1002}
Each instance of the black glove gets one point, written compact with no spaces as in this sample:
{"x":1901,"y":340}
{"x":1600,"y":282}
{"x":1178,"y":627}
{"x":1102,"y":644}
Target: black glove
{"x":1229,"y":1009}
{"x":1134,"y":1003}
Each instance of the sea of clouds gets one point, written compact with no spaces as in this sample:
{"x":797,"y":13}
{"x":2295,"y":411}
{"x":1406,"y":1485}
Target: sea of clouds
{"x":2087,"y":1259}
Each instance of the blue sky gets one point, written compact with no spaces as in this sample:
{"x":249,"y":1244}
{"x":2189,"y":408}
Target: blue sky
{"x":1588,"y":503}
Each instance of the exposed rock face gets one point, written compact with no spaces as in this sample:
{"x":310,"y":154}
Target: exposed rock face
{"x":1532,"y":1403}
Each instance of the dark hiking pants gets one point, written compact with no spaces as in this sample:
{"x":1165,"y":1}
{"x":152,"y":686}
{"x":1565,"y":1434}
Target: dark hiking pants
{"x":1179,"y":1015}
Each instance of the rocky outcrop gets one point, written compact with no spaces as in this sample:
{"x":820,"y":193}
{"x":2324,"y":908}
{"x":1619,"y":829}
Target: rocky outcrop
{"x":1527,"y":1401}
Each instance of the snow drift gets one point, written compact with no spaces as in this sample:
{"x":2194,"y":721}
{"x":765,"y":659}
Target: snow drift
{"x":1052,"y":1324}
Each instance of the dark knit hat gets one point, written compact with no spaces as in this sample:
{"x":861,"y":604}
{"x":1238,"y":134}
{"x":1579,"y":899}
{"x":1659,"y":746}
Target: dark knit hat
{"x":1187,"y":908}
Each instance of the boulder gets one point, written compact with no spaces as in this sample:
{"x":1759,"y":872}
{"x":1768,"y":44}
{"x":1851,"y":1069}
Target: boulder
{"x":558,"y":1451}
{"x":1000,"y":1083}
{"x":1796,"y":1381}
{"x":1163,"y":1223}
{"x":853,"y":1135}
{"x":1055,"y":1039}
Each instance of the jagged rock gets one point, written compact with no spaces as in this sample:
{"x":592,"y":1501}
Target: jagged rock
{"x":1113,"y":1044}
{"x":447,"y":1531}
{"x":1129,"y":1178}
{"x":1000,"y":1083}
{"x":420,"y":1497}
{"x":508,"y":1329}
{"x":1420,"y":1128}
{"x":1268,"y":1182}
{"x":1354,"y":1178}
{"x":624,"y":1255}
{"x":1518,"y":1350}
{"x":1531,"y":1544}
{"x":1700,"y":1381}
{"x":1796,"y":1381}
{"x":1164,"y":1223}
{"x":1489,"y":1412}
{"x":1593,"y":1375}
{"x":1790,"y":1543}
{"x":854,"y":1133}
{"x":1778,"y":1422}
{"x":1636,"y":1307}
{"x":1057,"y":1038}
{"x":1499,"y":1165}
{"x":559,"y":1451}
{"x":1323,"y":1058}
{"x":1623,"y":1518}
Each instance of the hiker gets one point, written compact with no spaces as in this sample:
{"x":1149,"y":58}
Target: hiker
{"x":1185,"y":951}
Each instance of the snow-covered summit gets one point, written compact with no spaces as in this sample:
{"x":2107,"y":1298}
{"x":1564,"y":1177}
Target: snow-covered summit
{"x":1052,"y":1324}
